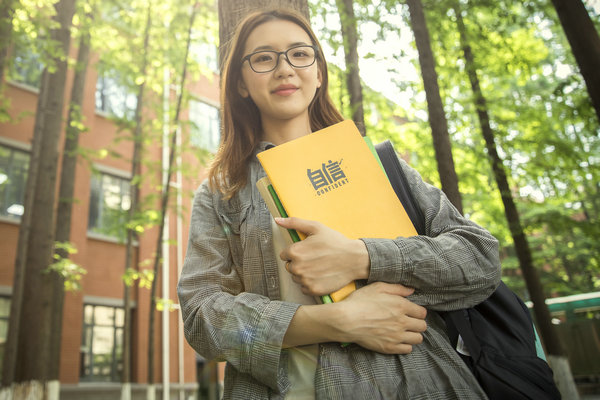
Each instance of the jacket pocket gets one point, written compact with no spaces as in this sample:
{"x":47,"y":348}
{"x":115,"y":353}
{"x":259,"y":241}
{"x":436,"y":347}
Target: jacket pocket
{"x":232,"y":224}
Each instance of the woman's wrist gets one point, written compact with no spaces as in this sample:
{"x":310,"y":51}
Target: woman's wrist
{"x":362,"y":260}
{"x":319,"y":323}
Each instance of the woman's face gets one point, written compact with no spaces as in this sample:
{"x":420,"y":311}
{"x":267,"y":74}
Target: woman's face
{"x":285,"y":92}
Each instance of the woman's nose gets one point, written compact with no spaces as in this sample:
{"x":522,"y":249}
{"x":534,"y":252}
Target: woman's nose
{"x":283,"y":66}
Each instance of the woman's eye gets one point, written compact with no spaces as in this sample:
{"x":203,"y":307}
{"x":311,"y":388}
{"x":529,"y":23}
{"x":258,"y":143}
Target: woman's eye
{"x":261,"y":58}
{"x":300,"y":54}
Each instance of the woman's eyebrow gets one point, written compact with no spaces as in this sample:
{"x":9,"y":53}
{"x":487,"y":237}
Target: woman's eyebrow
{"x":267,"y":47}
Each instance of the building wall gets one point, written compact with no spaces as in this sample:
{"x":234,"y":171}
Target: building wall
{"x":104,"y":259}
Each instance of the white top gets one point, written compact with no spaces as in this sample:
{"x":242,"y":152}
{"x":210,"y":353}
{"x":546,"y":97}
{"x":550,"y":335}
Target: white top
{"x":302,"y":362}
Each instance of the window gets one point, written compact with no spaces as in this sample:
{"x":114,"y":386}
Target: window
{"x":113,"y":97}
{"x":204,"y":131}
{"x":27,"y":66}
{"x":102,"y":343}
{"x":109,"y":203}
{"x":4,"y":314}
{"x":13,"y":178}
{"x":205,"y":54}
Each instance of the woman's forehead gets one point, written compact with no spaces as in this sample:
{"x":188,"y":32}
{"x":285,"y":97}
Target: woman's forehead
{"x":276,"y":35}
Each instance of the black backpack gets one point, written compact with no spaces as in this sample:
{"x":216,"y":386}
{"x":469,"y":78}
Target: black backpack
{"x":498,"y":333}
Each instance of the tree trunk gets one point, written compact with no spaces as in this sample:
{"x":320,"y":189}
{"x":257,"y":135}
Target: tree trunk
{"x":34,"y":324}
{"x":350,"y":39}
{"x":547,"y":332}
{"x":231,"y":12}
{"x":134,"y":194}
{"x":65,"y":196}
{"x":7,"y":10}
{"x":585,"y":44}
{"x":165,"y":198}
{"x":12,"y":339}
{"x":437,"y":117}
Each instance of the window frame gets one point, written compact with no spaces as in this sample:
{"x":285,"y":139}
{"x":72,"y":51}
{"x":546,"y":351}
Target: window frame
{"x":32,"y":61}
{"x":204,"y":51}
{"x":4,"y":318}
{"x":102,"y":170}
{"x":87,"y":349}
{"x":116,"y":87}
{"x":196,"y":137}
{"x":14,"y":145}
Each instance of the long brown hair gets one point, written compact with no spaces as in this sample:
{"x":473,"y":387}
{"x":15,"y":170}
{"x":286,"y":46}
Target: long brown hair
{"x":240,"y":118}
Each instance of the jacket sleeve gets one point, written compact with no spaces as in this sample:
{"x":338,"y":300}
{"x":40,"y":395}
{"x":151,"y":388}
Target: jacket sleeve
{"x":221,"y":320}
{"x":455,"y":265}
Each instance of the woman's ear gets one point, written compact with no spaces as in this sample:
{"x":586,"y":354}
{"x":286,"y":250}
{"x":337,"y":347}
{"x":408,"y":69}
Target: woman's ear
{"x":319,"y":78}
{"x":242,"y":90}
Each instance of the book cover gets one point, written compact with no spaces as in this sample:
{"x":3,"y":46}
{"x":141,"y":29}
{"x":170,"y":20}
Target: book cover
{"x":276,"y":209}
{"x":332,"y":176}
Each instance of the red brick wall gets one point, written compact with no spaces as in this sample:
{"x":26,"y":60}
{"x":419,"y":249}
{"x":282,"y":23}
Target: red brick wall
{"x":104,"y":260}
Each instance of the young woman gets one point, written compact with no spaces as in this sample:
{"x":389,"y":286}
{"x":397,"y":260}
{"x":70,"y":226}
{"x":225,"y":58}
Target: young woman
{"x":247,"y":299}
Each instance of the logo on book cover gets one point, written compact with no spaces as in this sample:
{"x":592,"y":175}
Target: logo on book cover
{"x":327,"y":178}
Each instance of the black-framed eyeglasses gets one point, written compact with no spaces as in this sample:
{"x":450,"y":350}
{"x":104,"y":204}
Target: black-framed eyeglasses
{"x":262,"y":61}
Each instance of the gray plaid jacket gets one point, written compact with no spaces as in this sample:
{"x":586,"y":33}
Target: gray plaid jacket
{"x":232,"y":311}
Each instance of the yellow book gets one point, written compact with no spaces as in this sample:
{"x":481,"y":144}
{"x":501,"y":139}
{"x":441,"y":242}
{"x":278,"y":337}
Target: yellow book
{"x":332,"y":177}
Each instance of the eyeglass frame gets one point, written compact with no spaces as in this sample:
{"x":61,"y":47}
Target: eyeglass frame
{"x":279,"y":53}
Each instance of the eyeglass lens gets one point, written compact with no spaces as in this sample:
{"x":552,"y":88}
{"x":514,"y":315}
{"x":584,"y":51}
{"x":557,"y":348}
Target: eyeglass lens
{"x":265,"y":61}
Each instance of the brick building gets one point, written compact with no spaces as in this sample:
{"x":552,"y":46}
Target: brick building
{"x":91,"y":353}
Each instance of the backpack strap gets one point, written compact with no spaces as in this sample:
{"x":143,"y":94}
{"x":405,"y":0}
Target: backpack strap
{"x":461,"y":324}
{"x":393,"y":169}
{"x":457,"y":322}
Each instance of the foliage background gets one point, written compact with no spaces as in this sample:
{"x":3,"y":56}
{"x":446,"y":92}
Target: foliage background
{"x":547,"y":132}
{"x":545,"y":125}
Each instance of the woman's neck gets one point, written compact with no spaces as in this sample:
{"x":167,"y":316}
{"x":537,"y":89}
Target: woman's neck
{"x":281,"y":131}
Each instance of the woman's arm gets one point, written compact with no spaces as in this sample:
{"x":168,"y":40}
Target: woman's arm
{"x":377,"y":317}
{"x":248,"y":330}
{"x":455,"y":266}
{"x":221,"y":320}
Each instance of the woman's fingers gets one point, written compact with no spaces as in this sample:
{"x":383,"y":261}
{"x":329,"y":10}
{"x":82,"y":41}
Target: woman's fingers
{"x":381,"y":319}
{"x":305,"y":226}
{"x":326,"y":260}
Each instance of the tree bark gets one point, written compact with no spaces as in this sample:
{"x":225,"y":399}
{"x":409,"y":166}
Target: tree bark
{"x":65,"y":196}
{"x":435,"y":107}
{"x":12,"y":339}
{"x":33,"y":347}
{"x":350,"y":39}
{"x":585,"y":44}
{"x":547,"y":332}
{"x":7,"y":10}
{"x":231,"y":12}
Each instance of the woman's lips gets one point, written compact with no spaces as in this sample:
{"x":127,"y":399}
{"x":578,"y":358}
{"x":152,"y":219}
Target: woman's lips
{"x":285,"y":90}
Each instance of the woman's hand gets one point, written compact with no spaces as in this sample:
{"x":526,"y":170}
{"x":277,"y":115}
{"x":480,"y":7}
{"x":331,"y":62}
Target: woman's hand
{"x":377,"y":317}
{"x":326,"y":260}
{"x":380,"y":318}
